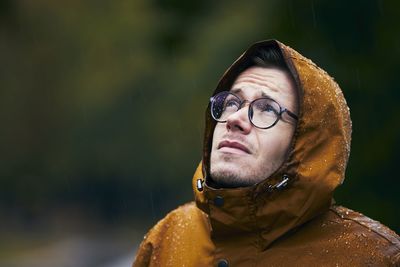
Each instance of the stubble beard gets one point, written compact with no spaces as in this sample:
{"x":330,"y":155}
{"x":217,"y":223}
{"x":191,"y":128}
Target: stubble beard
{"x":240,"y":175}
{"x":229,"y":179}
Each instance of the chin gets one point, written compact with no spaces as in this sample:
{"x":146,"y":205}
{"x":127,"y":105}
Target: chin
{"x":230,"y":179}
{"x":229,"y":175}
{"x":225,"y":171}
{"x":223,"y":167}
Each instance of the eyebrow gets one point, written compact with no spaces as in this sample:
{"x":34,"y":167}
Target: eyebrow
{"x":266,"y":95}
{"x":263,"y":94}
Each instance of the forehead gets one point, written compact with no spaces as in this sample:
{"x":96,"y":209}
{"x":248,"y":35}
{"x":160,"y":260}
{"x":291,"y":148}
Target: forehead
{"x":272,"y":82}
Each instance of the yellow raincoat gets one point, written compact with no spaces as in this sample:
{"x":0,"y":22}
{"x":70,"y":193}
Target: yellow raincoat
{"x":288,"y":219}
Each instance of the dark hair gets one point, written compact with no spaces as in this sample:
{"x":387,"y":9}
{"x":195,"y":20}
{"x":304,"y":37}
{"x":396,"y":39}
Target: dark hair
{"x":268,"y":58}
{"x":265,"y":57}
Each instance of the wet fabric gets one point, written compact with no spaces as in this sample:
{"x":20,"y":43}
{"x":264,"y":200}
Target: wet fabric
{"x":288,"y":219}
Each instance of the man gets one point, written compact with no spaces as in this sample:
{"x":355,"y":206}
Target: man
{"x":276,"y":145}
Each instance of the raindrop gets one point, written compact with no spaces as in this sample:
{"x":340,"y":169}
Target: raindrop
{"x":152,"y":206}
{"x":358,"y":78}
{"x":314,"y":16}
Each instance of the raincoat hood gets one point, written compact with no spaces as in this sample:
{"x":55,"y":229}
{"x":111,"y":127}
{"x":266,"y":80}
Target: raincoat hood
{"x":303,"y":186}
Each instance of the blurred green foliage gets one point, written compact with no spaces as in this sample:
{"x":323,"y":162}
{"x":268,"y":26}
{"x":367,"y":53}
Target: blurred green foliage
{"x":102,"y":102}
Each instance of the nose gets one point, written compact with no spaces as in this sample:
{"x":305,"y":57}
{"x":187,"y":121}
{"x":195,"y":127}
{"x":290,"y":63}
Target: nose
{"x":239,"y":121}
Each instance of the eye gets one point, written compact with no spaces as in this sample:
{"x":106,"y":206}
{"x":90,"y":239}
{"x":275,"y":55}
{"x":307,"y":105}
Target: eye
{"x":265,"y":106}
{"x":270,"y":108}
{"x":231,"y":104}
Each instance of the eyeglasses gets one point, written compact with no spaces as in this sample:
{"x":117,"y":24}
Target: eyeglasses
{"x":263,"y":112}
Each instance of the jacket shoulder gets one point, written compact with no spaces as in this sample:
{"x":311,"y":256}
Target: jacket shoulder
{"x":172,"y":217}
{"x":385,"y":240}
{"x":159,"y":232}
{"x":368,"y":224}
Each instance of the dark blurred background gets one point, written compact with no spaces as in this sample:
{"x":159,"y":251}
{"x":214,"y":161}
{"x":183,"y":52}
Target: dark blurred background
{"x":102,"y":104}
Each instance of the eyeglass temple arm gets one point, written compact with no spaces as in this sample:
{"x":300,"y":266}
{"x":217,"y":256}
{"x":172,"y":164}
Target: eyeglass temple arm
{"x":291,"y":114}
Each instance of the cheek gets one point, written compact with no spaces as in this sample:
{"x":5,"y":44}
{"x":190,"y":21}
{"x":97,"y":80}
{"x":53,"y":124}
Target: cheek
{"x":216,"y":135}
{"x":275,"y":145}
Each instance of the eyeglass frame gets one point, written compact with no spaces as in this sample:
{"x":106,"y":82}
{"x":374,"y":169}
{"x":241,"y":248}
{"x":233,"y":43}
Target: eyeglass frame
{"x":241,"y":102}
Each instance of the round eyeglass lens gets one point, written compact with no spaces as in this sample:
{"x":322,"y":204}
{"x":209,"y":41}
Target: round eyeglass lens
{"x":264,"y":112}
{"x":223,"y":105}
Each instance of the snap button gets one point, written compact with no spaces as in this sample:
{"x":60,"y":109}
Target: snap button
{"x":218,"y":201}
{"x":200,"y":184}
{"x":223,"y":263}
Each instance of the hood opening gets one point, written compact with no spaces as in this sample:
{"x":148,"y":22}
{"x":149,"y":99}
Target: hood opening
{"x":274,"y":56}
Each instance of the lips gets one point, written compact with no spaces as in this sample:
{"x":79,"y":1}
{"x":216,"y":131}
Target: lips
{"x":233,"y":145}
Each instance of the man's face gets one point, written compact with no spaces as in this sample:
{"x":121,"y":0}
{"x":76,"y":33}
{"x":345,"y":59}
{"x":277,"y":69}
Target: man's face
{"x":241,"y":154}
